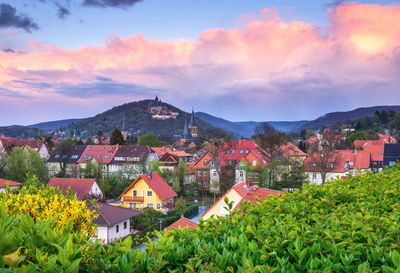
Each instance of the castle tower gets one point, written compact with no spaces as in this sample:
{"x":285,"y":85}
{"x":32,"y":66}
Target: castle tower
{"x":192,"y":126}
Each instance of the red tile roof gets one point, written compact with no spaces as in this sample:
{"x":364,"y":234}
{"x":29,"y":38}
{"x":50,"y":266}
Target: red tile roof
{"x":155,"y":181}
{"x":289,"y":149}
{"x":160,"y":151}
{"x":182,"y":223}
{"x":180,"y":154}
{"x":103,"y":154}
{"x":9,"y":143}
{"x":10,"y":183}
{"x":80,"y":186}
{"x":241,"y":188}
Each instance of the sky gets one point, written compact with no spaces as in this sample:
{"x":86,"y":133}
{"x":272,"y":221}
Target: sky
{"x":240,"y":60}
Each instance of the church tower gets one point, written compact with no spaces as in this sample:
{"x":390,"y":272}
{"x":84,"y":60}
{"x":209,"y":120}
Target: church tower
{"x":194,"y":130}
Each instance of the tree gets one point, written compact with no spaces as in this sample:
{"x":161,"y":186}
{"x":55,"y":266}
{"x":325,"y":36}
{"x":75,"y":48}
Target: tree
{"x":151,"y":140}
{"x":180,"y":176}
{"x":114,"y":185}
{"x":268,"y":137}
{"x":321,"y":153}
{"x":117,"y":137}
{"x":22,"y":162}
{"x":357,"y":136}
{"x":180,"y":206}
{"x":90,"y":142}
{"x":214,"y":187}
{"x":294,"y":178}
{"x":92,"y":170}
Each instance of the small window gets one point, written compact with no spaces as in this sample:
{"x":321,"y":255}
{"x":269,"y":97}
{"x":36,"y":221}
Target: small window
{"x":134,"y":193}
{"x":125,"y":225}
{"x":158,"y":206}
{"x":89,"y":148}
{"x":132,"y":205}
{"x":84,"y":156}
{"x":98,"y":156}
{"x":57,"y":156}
{"x":233,"y":151}
{"x":149,"y":193}
{"x":110,"y":149}
{"x":102,"y":148}
{"x":247,"y":151}
{"x":314,"y":176}
{"x":205,"y":161}
{"x":90,"y":157}
{"x":351,"y":163}
{"x":254,"y":163}
{"x":150,"y":205}
{"x":241,"y":151}
{"x":227,"y":151}
{"x":107,"y":156}
{"x":117,"y":228}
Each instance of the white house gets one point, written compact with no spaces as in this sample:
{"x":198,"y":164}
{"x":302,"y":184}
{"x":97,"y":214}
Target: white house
{"x":82,"y":187}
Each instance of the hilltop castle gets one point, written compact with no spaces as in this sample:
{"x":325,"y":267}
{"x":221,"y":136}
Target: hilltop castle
{"x":160,"y":111}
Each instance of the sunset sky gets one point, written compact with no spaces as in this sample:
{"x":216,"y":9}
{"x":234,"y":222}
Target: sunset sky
{"x":240,"y":60}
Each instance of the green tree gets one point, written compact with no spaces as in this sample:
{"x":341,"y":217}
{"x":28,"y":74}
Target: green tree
{"x":357,"y":136}
{"x":151,"y":140}
{"x":180,"y":175}
{"x":214,"y":187}
{"x":114,"y":185}
{"x":22,"y":162}
{"x":117,"y":137}
{"x":90,"y":142}
{"x":92,"y":170}
{"x":180,"y":206}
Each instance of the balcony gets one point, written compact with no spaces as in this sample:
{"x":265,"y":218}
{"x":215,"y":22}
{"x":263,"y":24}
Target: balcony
{"x":136,"y":199}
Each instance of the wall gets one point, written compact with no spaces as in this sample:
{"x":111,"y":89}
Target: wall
{"x":102,"y":233}
{"x":216,"y":208}
{"x":96,"y":189}
{"x":114,"y":235}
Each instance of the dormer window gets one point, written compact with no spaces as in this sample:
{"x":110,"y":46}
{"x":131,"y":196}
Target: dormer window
{"x":110,"y":149}
{"x":84,"y":156}
{"x":107,"y":156}
{"x":57,"y":156}
{"x":90,"y":157}
{"x":98,"y":156}
{"x":241,"y":151}
{"x":233,"y":151}
{"x":227,"y":151}
{"x":247,"y":151}
{"x":89,"y":148}
{"x":102,"y":148}
{"x":205,"y":161}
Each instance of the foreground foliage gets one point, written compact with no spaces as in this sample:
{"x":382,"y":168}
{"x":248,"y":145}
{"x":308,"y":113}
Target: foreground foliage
{"x":344,"y":226}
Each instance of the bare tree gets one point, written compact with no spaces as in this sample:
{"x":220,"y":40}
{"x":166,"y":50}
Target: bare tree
{"x":268,"y":137}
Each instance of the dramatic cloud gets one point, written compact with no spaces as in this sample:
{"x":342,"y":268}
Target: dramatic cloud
{"x":110,"y":3}
{"x":10,"y":18}
{"x":62,"y":12}
{"x":269,"y":69}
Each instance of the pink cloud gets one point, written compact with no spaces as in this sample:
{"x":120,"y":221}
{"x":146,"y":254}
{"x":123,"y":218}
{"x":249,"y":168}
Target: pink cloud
{"x":360,"y":48}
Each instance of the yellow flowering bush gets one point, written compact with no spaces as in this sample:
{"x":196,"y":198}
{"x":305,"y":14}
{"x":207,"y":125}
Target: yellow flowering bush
{"x":43,"y":204}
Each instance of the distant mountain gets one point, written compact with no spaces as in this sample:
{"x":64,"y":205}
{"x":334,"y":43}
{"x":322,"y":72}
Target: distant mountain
{"x":333,"y":118}
{"x":53,"y":125}
{"x":138,"y":121}
{"x":246,"y":128}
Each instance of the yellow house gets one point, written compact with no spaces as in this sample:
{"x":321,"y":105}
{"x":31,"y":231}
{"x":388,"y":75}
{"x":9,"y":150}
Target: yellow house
{"x":238,"y":194}
{"x":147,"y":191}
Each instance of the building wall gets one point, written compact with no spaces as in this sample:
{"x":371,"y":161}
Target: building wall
{"x":44,"y":153}
{"x":114,"y":235}
{"x":217,"y":208}
{"x":316,"y":178}
{"x":142,"y":187}
{"x":102,"y":234}
{"x":96,"y":190}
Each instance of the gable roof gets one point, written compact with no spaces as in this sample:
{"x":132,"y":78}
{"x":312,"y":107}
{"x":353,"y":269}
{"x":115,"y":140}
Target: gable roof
{"x":161,"y":150}
{"x":182,"y":223}
{"x":103,"y":154}
{"x":67,"y":154}
{"x":80,"y":186}
{"x":110,"y":215}
{"x":289,"y":149}
{"x":10,"y":183}
{"x":10,"y":143}
{"x":128,"y":153}
{"x":158,"y":185}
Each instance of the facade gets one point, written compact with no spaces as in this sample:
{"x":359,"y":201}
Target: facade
{"x":11,"y":184}
{"x":65,"y":156}
{"x":113,"y":223}
{"x":84,"y":188}
{"x":8,"y":144}
{"x":102,"y":154}
{"x":341,"y":164}
{"x":147,"y":191}
{"x":131,"y":160}
{"x":238,"y":194}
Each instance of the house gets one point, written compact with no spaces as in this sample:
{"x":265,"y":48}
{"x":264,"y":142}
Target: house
{"x":11,"y":184}
{"x":113,"y":223}
{"x":102,"y":154}
{"x":291,"y":152}
{"x":391,"y":154}
{"x":147,"y":191}
{"x":203,"y":171}
{"x":171,"y":159}
{"x":131,"y":160}
{"x":238,"y":194}
{"x":340,"y":164}
{"x":65,"y":156}
{"x":84,"y":188}
{"x":8,"y":144}
{"x":182,"y":223}
{"x":160,"y":151}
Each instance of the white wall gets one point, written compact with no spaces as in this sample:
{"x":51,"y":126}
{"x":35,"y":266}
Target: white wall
{"x":102,"y":234}
{"x":114,"y":235}
{"x":240,"y":176}
{"x":44,"y":153}
{"x":96,"y":190}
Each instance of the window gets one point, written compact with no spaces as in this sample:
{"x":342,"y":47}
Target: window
{"x":125,"y":225}
{"x":314,"y":176}
{"x":241,"y":174}
{"x":102,"y":148}
{"x":89,"y":148}
{"x":254,"y":163}
{"x":110,"y":149}
{"x":90,"y":157}
{"x":98,"y":155}
{"x":241,"y":151}
{"x":205,"y":161}
{"x":150,"y":205}
{"x":227,"y":151}
{"x":233,"y":151}
{"x":158,"y":206}
{"x":149,"y":193}
{"x":392,"y":163}
{"x":132,"y":205}
{"x":247,"y":151}
{"x":57,"y":156}
{"x":134,"y":193}
{"x":117,"y":228}
{"x":107,"y":156}
{"x":351,"y":163}
{"x":84,"y":156}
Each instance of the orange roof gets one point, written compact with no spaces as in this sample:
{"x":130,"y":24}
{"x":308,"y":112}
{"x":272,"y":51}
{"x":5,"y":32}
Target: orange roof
{"x":102,"y":153}
{"x":182,"y":223}
{"x":161,"y":150}
{"x":289,"y":149}
{"x":180,"y":153}
{"x":155,"y":181}
{"x":10,"y":183}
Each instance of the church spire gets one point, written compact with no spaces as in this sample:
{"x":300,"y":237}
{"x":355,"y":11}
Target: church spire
{"x":185,"y":129}
{"x":192,"y":120}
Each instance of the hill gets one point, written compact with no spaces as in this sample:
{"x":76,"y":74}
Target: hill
{"x":283,"y":126}
{"x":138,"y":121}
{"x":53,"y":125}
{"x":333,"y":118}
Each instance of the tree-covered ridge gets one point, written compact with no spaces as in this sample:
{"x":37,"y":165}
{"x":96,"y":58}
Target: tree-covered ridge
{"x":347,"y":225}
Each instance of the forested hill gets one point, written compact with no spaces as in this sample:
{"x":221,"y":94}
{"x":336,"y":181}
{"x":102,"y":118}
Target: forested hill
{"x":138,"y":121}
